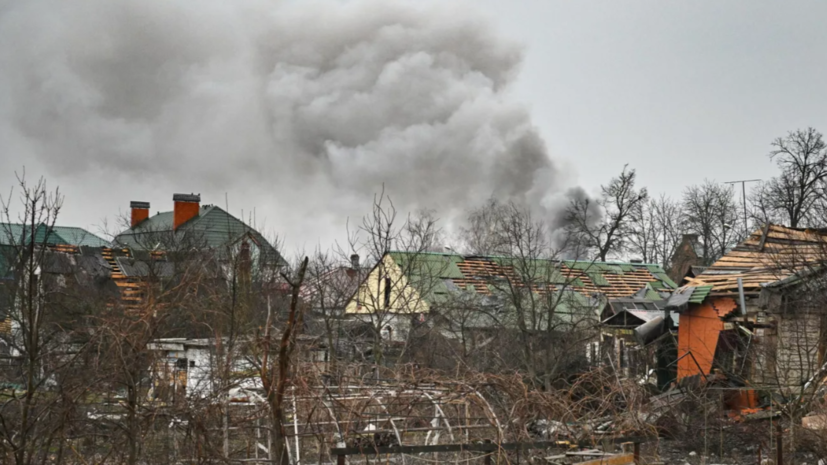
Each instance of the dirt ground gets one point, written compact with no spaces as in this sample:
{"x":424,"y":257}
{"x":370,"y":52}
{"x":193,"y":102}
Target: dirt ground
{"x":675,"y":452}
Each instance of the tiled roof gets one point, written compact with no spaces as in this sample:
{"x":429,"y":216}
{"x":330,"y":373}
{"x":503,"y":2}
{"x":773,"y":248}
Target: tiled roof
{"x":768,"y":255}
{"x":80,"y":237}
{"x":18,"y":234}
{"x":212,"y":228}
{"x":485,"y":274}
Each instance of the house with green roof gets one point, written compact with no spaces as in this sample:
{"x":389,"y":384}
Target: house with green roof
{"x":190,"y":225}
{"x":68,"y":261}
{"x":16,"y":234}
{"x":414,"y":282}
{"x":426,"y":285}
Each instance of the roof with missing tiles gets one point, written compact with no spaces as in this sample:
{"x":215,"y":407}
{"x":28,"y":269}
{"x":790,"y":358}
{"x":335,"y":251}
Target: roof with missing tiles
{"x":770,"y":255}
{"x":485,"y":274}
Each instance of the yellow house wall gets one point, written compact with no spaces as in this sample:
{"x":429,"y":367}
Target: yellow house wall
{"x":370,"y":298}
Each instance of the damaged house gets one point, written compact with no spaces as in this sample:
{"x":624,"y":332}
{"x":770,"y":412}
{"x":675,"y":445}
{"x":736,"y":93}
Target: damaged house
{"x":191,"y":226}
{"x":225,"y":267}
{"x":501,"y":304}
{"x":167,"y":244}
{"x":637,"y":336}
{"x":192,"y":261}
{"x":757,"y":315}
{"x":66,"y":266}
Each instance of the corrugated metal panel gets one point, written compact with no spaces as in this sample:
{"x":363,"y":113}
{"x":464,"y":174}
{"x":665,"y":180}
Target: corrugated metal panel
{"x":597,"y":278}
{"x":80,"y":237}
{"x":699,"y":294}
{"x":666,"y":279}
{"x":18,"y":234}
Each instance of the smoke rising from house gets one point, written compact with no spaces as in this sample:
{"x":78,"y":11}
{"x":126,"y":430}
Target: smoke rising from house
{"x":300,"y":109}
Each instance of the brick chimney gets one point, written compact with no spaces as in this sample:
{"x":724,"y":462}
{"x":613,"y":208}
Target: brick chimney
{"x":684,"y":258}
{"x":140,"y":212}
{"x":354,"y":266}
{"x":186,"y":208}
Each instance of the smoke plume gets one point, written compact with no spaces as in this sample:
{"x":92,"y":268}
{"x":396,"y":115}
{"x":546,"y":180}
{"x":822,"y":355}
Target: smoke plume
{"x":299,"y":109}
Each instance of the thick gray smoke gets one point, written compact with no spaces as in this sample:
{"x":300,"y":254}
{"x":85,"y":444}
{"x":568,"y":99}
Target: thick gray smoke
{"x":301,"y":109}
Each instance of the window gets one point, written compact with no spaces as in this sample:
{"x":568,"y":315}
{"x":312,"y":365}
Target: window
{"x":387,"y":292}
{"x":181,"y":363}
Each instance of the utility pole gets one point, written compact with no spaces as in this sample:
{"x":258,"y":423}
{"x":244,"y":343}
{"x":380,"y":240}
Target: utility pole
{"x":744,"y":193}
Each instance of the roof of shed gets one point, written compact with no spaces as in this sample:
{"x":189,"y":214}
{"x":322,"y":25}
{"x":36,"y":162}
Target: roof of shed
{"x":621,"y":318}
{"x":771,"y":254}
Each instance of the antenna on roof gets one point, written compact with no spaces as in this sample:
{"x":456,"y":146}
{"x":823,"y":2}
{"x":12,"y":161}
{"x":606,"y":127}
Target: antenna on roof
{"x":744,"y":193}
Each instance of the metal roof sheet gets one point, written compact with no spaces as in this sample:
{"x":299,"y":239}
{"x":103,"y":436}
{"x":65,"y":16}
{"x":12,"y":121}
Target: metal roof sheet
{"x":212,"y":228}
{"x":16,"y":234}
{"x":485,"y":273}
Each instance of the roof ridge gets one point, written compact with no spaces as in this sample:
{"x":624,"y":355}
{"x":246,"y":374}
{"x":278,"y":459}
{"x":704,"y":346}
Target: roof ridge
{"x":560,"y":260}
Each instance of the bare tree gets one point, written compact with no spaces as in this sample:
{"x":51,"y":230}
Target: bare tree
{"x":481,"y":234}
{"x":533,"y":318}
{"x":656,"y":230}
{"x":275,"y":372}
{"x":797,"y":193}
{"x":404,"y":270}
{"x":712,"y":213}
{"x":603,"y":225}
{"x":36,"y":351}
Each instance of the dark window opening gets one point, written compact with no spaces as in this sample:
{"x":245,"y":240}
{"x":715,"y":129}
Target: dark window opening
{"x":387,"y":292}
{"x":181,"y":363}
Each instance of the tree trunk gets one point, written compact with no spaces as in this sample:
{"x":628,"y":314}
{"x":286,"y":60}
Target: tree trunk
{"x":132,"y":425}
{"x":275,"y":391}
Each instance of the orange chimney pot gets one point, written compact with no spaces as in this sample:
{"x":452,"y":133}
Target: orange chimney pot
{"x":140,"y":212}
{"x":186,"y":208}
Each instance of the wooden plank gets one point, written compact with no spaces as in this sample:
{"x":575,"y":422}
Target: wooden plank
{"x":619,"y":459}
{"x":764,"y":235}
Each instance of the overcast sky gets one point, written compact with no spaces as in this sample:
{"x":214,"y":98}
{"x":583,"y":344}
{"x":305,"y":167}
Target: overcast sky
{"x":679,"y":90}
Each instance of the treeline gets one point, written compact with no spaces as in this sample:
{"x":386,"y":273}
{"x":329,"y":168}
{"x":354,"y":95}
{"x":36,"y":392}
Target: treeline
{"x":626,"y":221}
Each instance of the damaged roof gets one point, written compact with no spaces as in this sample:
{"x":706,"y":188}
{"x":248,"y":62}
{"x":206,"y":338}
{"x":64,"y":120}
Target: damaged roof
{"x":770,"y":255}
{"x":484,"y":274}
{"x":633,"y":318}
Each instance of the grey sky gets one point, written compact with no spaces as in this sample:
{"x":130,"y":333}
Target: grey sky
{"x":681,"y":91}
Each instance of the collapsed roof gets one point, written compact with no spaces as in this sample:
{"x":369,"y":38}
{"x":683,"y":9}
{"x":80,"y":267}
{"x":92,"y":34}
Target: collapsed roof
{"x":770,"y":256}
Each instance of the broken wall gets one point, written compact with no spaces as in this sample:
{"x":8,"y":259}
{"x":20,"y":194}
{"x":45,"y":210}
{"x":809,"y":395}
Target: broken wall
{"x":698,"y":334}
